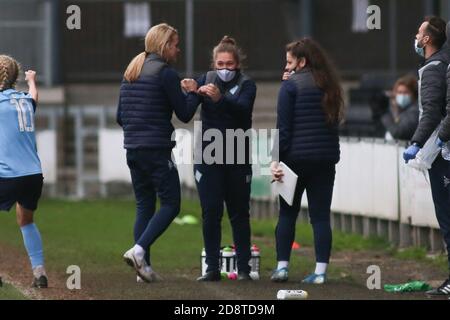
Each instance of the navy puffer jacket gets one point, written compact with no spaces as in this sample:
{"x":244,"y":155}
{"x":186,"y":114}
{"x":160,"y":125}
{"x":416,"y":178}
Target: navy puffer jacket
{"x":146,"y":106}
{"x":304,"y":134}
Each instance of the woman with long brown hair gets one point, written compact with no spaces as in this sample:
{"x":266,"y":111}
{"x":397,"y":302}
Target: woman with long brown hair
{"x":310,"y":107}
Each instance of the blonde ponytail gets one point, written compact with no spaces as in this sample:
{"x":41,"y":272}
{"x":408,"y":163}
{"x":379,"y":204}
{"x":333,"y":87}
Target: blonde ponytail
{"x":157,"y":40}
{"x":135,"y":67}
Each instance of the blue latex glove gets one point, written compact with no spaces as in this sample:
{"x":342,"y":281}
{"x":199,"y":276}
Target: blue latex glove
{"x":439,"y":142}
{"x":410,"y":153}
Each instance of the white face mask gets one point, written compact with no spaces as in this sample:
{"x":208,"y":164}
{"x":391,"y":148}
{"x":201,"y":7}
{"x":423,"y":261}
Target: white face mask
{"x":226,"y":75}
{"x":419,"y":50}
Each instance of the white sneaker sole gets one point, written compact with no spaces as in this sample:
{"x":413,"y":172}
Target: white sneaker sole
{"x":318,"y":282}
{"x":131,"y":261}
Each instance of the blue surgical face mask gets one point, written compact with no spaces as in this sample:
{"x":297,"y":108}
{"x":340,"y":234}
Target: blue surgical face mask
{"x":226,"y":75}
{"x":419,"y":51}
{"x":403,"y":100}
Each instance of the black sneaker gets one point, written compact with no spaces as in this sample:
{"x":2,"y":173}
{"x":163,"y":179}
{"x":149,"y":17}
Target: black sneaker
{"x":210,"y":276}
{"x":40,"y":282}
{"x":244,"y":276}
{"x":443,"y":290}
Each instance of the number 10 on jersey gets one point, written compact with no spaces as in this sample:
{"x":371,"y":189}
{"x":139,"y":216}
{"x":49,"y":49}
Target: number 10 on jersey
{"x":24,"y":114}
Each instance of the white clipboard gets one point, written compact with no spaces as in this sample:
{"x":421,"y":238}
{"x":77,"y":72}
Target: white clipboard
{"x":286,"y":189}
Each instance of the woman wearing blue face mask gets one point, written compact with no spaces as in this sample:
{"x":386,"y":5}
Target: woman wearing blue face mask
{"x":402,"y":118}
{"x":227,"y":96}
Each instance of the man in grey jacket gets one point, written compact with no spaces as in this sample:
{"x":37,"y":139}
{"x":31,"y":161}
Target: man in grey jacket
{"x":431,"y":44}
{"x":444,"y":132}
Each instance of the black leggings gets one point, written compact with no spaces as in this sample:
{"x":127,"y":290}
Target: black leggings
{"x":153,"y":174}
{"x":231,"y":184}
{"x":318,"y":180}
{"x":440,"y":187}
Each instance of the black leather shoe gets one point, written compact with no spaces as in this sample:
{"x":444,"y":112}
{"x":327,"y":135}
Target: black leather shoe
{"x":210,"y":276}
{"x":244,"y":276}
{"x":442,"y":291}
{"x":40,"y":283}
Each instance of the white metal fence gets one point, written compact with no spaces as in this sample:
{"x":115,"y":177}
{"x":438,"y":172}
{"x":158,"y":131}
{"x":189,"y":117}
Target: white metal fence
{"x":46,"y":140}
{"x":371,"y":180}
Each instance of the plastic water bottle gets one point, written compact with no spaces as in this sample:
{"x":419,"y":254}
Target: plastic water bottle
{"x":234,"y":266}
{"x":254,"y":275}
{"x":292,"y":295}
{"x":228,"y":260}
{"x":255,"y":260}
{"x":446,"y":151}
{"x":203,"y":262}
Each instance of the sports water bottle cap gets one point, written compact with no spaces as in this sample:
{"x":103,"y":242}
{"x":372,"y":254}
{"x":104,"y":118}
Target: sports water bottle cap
{"x":232,"y":276}
{"x":228,"y":253}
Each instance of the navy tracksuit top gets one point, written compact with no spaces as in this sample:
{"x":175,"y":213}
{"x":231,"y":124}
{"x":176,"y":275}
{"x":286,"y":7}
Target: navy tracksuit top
{"x":304,"y":134}
{"x":147,"y":104}
{"x":233,"y":111}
